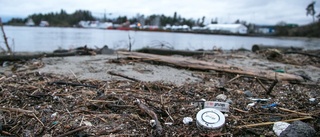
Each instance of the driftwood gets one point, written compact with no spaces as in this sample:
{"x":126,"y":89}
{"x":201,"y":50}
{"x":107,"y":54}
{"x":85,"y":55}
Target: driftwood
{"x":123,"y":76}
{"x":5,"y":37}
{"x":203,"y":65}
{"x":17,"y":57}
{"x":173,"y":52}
{"x":302,"y":53}
{"x":265,"y":47}
{"x":152,"y":115}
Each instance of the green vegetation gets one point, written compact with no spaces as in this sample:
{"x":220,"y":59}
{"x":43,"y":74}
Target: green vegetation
{"x":62,"y":19}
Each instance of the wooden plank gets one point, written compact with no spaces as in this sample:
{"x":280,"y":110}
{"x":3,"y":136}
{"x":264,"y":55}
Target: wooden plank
{"x":173,"y":52}
{"x":203,"y":65}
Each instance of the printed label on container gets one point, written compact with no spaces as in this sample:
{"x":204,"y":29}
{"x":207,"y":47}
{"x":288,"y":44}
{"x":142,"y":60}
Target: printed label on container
{"x":221,"y":106}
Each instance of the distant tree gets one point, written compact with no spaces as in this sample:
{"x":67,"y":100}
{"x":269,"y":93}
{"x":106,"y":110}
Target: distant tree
{"x":16,"y":21}
{"x":310,"y":9}
{"x":202,"y":21}
{"x":237,"y":21}
{"x":174,"y":18}
{"x":318,"y":16}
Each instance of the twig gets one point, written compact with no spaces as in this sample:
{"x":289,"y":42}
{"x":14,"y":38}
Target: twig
{"x":238,"y":76}
{"x":262,"y":85}
{"x":270,"y":123}
{"x":114,"y":130}
{"x":123,"y":76}
{"x":272,"y":85}
{"x":239,"y":110}
{"x":5,"y":37}
{"x":152,"y":115}
{"x":17,"y":110}
{"x":101,"y":101}
{"x":73,"y":131}
{"x":81,"y":121}
{"x":71,"y":84}
{"x":34,"y":115}
{"x":292,"y":111}
{"x":65,"y":106}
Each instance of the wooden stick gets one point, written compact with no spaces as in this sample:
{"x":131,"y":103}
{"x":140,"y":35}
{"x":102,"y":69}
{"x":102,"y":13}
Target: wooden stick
{"x":292,"y":111}
{"x":72,"y":131}
{"x":270,"y":123}
{"x":5,"y":37}
{"x":101,"y":101}
{"x":17,"y":110}
{"x":239,"y":110}
{"x":203,"y":65}
{"x":153,"y":116}
{"x":34,"y":115}
{"x":259,"y":81}
{"x":272,"y":85}
{"x":238,"y":76}
{"x":123,"y":76}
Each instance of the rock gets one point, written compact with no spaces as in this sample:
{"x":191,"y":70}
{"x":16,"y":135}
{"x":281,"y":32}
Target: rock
{"x":298,"y":129}
{"x":106,"y":50}
{"x":229,"y":101}
{"x":279,"y":127}
{"x":248,"y":93}
{"x":221,"y":97}
{"x":187,"y":120}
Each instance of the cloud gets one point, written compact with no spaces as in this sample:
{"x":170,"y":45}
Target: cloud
{"x":227,"y":11}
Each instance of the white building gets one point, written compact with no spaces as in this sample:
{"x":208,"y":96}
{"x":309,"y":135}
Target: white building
{"x":228,"y":28}
{"x":44,"y":23}
{"x":30,"y":22}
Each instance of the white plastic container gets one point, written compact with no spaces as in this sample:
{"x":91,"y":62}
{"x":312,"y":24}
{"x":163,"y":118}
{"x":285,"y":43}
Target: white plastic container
{"x":210,"y":118}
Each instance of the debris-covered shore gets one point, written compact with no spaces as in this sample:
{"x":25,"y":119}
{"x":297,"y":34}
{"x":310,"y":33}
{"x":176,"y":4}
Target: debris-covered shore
{"x":36,"y":101}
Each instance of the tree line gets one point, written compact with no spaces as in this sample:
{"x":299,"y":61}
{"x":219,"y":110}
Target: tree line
{"x":63,"y":19}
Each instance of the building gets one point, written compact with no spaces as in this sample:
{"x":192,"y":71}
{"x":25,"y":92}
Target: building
{"x":265,"y":29}
{"x":227,"y":28}
{"x":30,"y":22}
{"x":44,"y":23}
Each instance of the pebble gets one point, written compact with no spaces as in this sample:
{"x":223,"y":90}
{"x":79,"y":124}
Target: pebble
{"x":229,"y":101}
{"x":298,"y":129}
{"x":279,"y":127}
{"x":248,"y":93}
{"x":221,"y":97}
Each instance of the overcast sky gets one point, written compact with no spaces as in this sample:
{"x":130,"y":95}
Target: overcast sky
{"x":226,"y":11}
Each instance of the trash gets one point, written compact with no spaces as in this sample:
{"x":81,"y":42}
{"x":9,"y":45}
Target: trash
{"x":221,"y":106}
{"x":259,"y":99}
{"x":54,"y":114}
{"x":298,"y":129}
{"x":152,"y":123}
{"x":87,"y":123}
{"x":221,"y":97}
{"x":280,"y":70}
{"x":279,"y":127}
{"x":248,"y":93}
{"x":312,"y":99}
{"x":270,"y":106}
{"x":168,"y":123}
{"x":210,"y":118}
{"x":250,"y":105}
{"x":187,"y":120}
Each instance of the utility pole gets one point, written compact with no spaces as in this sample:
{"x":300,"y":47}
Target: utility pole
{"x":5,"y":37}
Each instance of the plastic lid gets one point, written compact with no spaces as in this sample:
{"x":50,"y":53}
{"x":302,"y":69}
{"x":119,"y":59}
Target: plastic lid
{"x":210,"y":118}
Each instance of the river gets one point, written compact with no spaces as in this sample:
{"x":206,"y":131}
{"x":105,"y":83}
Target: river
{"x":32,"y":39}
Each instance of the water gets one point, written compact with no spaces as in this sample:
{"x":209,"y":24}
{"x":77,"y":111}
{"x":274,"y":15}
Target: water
{"x":48,"y":39}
